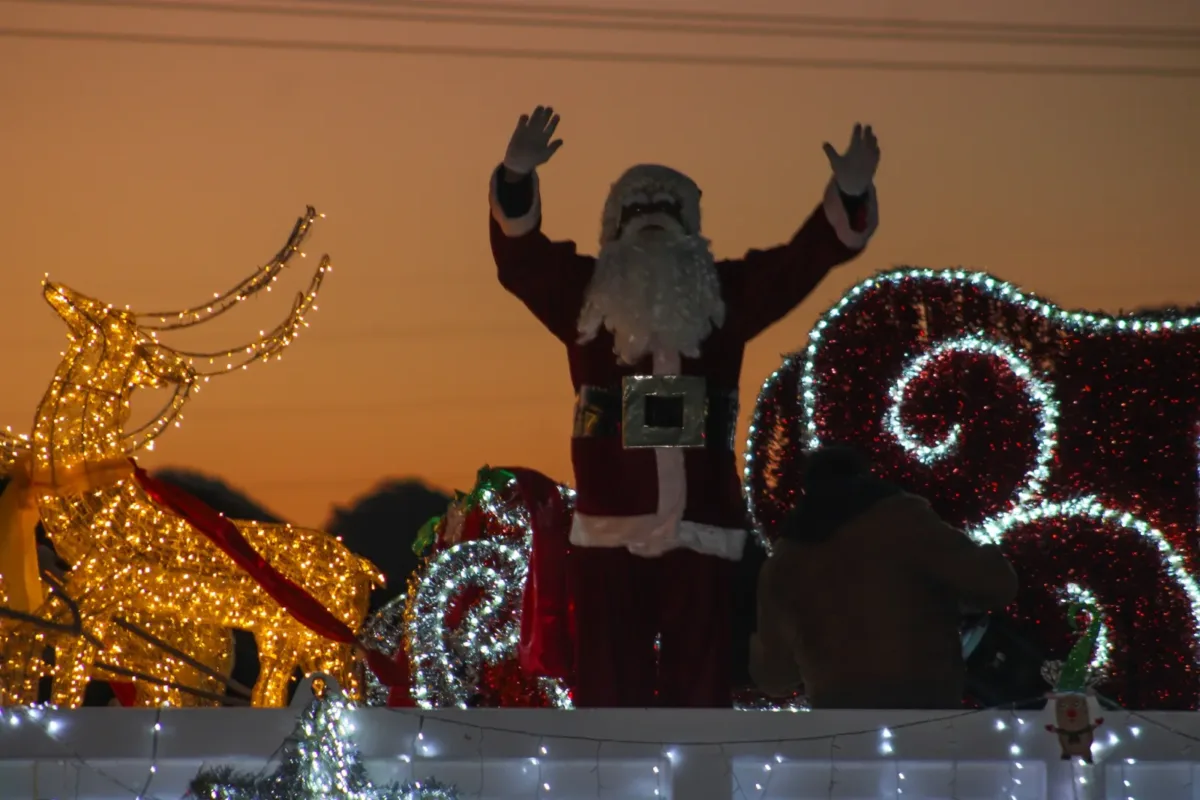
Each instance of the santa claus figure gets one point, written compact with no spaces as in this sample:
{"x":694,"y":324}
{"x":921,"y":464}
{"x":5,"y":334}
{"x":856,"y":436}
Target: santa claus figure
{"x":655,"y":328}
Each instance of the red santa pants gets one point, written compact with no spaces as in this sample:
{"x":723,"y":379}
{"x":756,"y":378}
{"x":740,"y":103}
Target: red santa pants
{"x":622,"y":602}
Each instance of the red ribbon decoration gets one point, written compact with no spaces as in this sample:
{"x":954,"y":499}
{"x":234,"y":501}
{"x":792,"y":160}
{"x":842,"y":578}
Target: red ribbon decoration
{"x":295,"y":600}
{"x":546,"y":645}
{"x":124,"y":693}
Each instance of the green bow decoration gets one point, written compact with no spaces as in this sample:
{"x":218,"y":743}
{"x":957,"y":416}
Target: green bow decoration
{"x":488,"y":481}
{"x":427,"y":535}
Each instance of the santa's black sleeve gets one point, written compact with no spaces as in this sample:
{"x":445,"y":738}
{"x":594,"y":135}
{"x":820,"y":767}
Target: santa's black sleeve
{"x":548,"y":277}
{"x":515,"y":197}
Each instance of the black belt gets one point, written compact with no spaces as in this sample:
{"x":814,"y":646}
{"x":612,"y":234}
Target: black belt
{"x":659,"y":411}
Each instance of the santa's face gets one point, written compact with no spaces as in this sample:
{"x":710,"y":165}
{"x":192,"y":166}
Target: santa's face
{"x":656,"y":217}
{"x":655,"y":286}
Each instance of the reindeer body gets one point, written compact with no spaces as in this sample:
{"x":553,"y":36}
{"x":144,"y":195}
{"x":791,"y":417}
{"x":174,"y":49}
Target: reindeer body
{"x":132,"y":561}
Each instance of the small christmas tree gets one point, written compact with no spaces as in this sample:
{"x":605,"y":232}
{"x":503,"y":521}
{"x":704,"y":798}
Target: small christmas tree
{"x":319,"y":762}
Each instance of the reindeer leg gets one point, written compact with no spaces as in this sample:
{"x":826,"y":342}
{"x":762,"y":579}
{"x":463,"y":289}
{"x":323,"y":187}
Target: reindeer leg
{"x":277,"y":659}
{"x":73,"y":659}
{"x":23,"y":654}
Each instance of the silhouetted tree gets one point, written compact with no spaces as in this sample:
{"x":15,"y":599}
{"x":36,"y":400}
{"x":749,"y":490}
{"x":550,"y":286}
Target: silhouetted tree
{"x":381,"y":526}
{"x":217,"y":494}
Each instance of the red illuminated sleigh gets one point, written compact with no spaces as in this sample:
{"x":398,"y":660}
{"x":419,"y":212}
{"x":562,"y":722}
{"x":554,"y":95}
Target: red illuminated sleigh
{"x":1068,"y":437}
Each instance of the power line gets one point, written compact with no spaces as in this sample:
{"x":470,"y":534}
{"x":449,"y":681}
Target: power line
{"x":401,"y":404}
{"x":725,"y":17}
{"x":594,"y":57}
{"x":860,"y":33}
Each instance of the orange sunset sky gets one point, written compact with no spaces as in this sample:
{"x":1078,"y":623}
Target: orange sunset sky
{"x":154,"y":175}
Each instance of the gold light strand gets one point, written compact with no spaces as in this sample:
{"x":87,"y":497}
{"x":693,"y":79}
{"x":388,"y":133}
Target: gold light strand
{"x":130,"y":560}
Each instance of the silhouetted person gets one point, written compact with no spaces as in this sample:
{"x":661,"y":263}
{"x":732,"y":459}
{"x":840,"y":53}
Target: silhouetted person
{"x":862,"y":598}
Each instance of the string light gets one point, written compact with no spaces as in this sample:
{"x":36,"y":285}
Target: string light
{"x":1039,"y":392}
{"x":994,"y":530}
{"x":320,"y":758}
{"x":461,"y":619}
{"x":132,"y":562}
{"x":44,"y":718}
{"x":1007,"y":366}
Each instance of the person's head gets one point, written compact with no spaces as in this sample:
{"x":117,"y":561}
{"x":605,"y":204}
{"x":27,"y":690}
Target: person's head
{"x":834,"y":464}
{"x":655,"y":286}
{"x":837,"y":487}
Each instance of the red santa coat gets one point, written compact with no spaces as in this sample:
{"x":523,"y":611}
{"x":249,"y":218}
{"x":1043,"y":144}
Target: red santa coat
{"x":653,"y":500}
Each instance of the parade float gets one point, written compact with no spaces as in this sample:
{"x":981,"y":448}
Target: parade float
{"x":1069,"y":438}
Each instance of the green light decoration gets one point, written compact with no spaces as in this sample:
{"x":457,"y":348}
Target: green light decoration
{"x":318,"y":762}
{"x":1075,"y":673}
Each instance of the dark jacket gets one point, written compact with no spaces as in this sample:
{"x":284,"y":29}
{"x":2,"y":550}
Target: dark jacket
{"x":861,"y":601}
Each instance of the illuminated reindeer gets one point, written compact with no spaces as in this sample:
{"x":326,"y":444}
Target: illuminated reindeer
{"x":131,"y":561}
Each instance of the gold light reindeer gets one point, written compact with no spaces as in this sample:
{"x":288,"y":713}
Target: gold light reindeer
{"x":132,"y":562}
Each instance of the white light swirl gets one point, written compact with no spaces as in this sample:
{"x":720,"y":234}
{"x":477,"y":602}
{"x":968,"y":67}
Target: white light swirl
{"x":1074,"y":593}
{"x":434,"y":648}
{"x":993,"y":531}
{"x":491,"y":628}
{"x":1073,"y":321}
{"x":1039,"y":392}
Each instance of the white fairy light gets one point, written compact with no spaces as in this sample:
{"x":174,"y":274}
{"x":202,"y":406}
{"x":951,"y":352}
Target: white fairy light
{"x":804,"y":364}
{"x":1039,"y":391}
{"x":993,"y":531}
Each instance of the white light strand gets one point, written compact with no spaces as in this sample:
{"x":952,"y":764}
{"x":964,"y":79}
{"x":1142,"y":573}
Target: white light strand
{"x":1075,"y":321}
{"x":805,"y":362}
{"x":1039,"y":391}
{"x":49,"y":723}
{"x":993,"y":531}
{"x":1016,"y":768}
{"x":1029,"y":506}
{"x":435,"y":652}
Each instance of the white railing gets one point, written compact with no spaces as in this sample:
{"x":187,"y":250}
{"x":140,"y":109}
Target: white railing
{"x":98,"y":754}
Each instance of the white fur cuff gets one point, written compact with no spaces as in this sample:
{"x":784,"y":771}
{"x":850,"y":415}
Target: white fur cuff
{"x":514,"y":227}
{"x":639,"y":535}
{"x":835,"y":212}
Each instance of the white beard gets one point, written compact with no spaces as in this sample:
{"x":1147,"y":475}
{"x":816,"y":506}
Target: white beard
{"x":655,"y":297}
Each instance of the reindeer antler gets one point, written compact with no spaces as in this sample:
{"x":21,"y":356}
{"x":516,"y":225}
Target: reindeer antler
{"x":267,"y":344}
{"x":262,"y":278}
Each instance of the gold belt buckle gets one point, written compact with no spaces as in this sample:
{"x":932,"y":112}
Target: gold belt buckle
{"x":689,"y":390}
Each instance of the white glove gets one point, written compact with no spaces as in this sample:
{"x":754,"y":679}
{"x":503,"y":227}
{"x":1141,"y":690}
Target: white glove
{"x":530,"y":145}
{"x":854,"y":170}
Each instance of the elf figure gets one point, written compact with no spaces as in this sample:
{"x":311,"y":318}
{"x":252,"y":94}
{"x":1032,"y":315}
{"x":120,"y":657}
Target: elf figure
{"x":1073,"y":724}
{"x":1072,"y":717}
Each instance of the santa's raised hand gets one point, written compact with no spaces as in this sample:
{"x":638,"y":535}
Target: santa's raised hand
{"x":532,"y":143}
{"x":854,"y":170}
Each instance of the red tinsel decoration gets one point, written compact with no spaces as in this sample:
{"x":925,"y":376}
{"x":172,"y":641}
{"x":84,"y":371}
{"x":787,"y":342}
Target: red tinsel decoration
{"x":1127,"y":391}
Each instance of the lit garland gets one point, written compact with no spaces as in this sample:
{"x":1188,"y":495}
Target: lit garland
{"x":462,"y":617}
{"x":1039,"y":392}
{"x":319,"y":761}
{"x":485,"y":636}
{"x":132,"y":561}
{"x":383,"y":630}
{"x":994,"y":531}
{"x":1129,"y":442}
